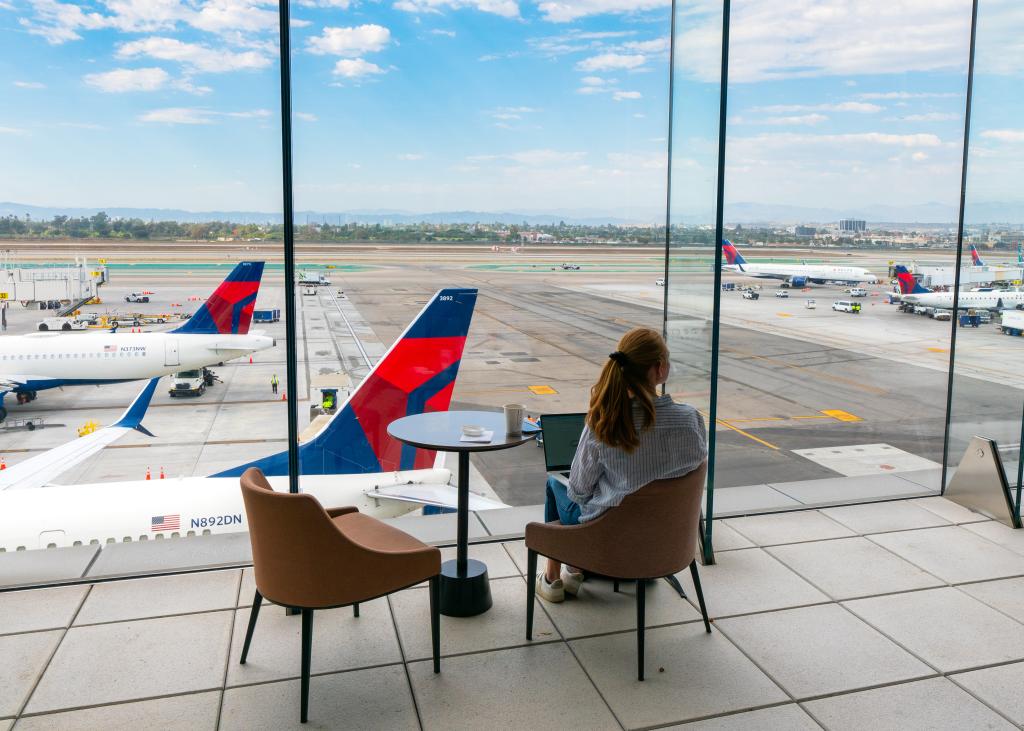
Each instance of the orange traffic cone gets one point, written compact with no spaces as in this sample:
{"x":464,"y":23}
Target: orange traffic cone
{"x":3,"y":464}
{"x":148,"y":476}
{"x":250,"y":360}
{"x":284,"y":396}
{"x":161,"y":473}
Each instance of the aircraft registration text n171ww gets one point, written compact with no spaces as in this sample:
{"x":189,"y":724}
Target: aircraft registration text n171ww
{"x":217,"y":332}
{"x":351,"y":461}
{"x":795,"y":275}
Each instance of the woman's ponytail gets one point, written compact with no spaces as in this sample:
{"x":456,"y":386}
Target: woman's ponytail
{"x":626,"y":375}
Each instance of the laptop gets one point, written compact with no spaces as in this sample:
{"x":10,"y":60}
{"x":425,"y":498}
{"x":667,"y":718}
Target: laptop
{"x":561,"y":437}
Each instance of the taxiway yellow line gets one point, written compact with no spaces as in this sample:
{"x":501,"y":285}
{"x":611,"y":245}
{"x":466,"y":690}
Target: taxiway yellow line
{"x":747,"y":434}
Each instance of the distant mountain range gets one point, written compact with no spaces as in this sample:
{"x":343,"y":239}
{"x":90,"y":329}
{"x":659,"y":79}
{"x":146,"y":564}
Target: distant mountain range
{"x":745,"y":213}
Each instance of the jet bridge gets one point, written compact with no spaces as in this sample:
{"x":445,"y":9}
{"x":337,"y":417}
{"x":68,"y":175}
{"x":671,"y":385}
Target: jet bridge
{"x":69,"y":285}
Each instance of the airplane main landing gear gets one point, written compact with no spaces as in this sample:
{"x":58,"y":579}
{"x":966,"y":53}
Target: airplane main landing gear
{"x":3,"y":414}
{"x":24,"y":397}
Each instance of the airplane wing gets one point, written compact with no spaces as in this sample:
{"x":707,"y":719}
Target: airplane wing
{"x":438,"y":495}
{"x":40,"y":470}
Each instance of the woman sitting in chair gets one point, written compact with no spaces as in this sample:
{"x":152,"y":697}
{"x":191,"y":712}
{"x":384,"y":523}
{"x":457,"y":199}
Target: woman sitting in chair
{"x":632,"y":437}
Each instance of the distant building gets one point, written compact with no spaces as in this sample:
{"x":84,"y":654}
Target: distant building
{"x":805,"y":230}
{"x":852,"y":226}
{"x":536,"y":237}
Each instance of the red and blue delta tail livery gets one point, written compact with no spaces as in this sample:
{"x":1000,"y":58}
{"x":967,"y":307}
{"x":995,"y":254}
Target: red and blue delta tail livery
{"x":908,"y":283}
{"x":732,"y":256}
{"x":228,"y":311}
{"x":416,"y":375}
{"x":976,"y":259}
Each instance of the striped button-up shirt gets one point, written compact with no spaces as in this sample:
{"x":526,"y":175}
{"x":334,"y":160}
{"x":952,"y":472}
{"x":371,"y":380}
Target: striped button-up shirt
{"x":602,"y":476}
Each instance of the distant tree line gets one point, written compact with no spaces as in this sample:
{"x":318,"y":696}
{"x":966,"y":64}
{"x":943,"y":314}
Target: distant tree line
{"x":102,"y":226}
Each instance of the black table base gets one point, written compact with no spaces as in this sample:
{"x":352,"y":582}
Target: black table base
{"x":464,"y":594}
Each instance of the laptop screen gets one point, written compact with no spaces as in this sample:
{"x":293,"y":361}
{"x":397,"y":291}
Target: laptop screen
{"x":561,"y":437}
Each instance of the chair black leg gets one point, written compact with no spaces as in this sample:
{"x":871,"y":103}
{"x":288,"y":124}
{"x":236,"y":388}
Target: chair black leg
{"x":355,"y":609}
{"x":307,"y":651}
{"x":641,"y":588}
{"x":674,"y":583}
{"x":435,"y":620}
{"x":253,"y":613}
{"x":531,"y":590}
{"x":700,"y":594}
{"x":615,"y":586}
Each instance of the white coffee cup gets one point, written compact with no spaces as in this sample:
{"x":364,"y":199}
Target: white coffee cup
{"x":514,"y":414}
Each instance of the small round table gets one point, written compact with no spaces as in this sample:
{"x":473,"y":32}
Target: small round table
{"x":465,"y":590}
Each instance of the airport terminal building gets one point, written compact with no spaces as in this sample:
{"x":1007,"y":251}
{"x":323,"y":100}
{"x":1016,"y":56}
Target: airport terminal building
{"x":456,"y":364}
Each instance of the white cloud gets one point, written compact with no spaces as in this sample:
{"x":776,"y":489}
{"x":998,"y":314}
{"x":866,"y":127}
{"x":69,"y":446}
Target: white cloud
{"x":221,"y":16}
{"x":624,"y":95}
{"x":919,"y":156}
{"x":440,"y":32}
{"x":29,"y":85}
{"x":355,"y":68}
{"x":12,"y":131}
{"x":610,"y":61}
{"x":929,"y":117}
{"x":504,"y":8}
{"x":194,"y":55}
{"x":808,"y":38}
{"x":910,"y":95}
{"x":306,"y":116}
{"x":803,"y":119}
{"x":509,"y":113}
{"x":411,"y":156}
{"x":340,"y":4}
{"x":176,"y":115}
{"x":854,"y":138}
{"x":350,"y":42}
{"x":564,"y":12}
{"x":60,"y":22}
{"x":657,"y":45}
{"x":1004,"y":135}
{"x":191,"y":115}
{"x":125,"y":80}
{"x":531,"y":158}
{"x":859,"y":107}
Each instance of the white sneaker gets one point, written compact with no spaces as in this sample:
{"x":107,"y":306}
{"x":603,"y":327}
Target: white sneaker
{"x":571,"y":581}
{"x":553,"y":592}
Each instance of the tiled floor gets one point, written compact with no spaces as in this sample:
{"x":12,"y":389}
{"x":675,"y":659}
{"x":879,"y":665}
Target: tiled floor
{"x":904,"y":615}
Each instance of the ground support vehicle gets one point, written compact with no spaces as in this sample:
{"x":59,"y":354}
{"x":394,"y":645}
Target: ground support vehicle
{"x":269,"y":315}
{"x":810,"y":304}
{"x":783,"y":293}
{"x":846,"y":306}
{"x":63,"y":323}
{"x":137,"y":297}
{"x":192,"y":382}
{"x":750,"y":295}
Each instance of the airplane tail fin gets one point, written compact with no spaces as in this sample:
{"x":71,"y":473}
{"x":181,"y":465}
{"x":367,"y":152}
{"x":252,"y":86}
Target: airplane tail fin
{"x":1020,"y":255}
{"x":732,"y":255}
{"x":228,"y":311}
{"x":908,"y":283}
{"x":417,"y":374}
{"x":976,"y":259}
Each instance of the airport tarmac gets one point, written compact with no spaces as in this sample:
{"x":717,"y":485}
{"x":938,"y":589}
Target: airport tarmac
{"x":802,"y":393}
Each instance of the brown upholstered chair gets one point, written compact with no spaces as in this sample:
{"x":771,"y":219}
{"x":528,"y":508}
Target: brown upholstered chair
{"x":650,"y":535}
{"x":309,"y":558}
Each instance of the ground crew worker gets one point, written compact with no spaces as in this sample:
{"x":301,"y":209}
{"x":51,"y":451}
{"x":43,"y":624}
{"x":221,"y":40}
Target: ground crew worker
{"x":273,"y":383}
{"x":328,"y":402}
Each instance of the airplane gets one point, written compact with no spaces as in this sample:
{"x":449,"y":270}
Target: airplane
{"x":217,"y":332}
{"x":911,"y":291}
{"x":976,"y":259}
{"x":795,"y":275}
{"x":351,"y":461}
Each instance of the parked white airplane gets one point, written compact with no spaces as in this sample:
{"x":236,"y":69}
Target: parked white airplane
{"x":796,"y":275}
{"x":996,"y":299}
{"x":351,"y":461}
{"x":217,"y":332}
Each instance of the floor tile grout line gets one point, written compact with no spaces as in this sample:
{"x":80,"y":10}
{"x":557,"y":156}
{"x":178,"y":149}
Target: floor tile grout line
{"x":817,"y":511}
{"x":405,"y":663}
{"x":990,"y":606}
{"x":755,"y":663}
{"x":122,"y":702}
{"x":572,"y":652}
{"x":227,"y":659}
{"x":716,"y":716}
{"x":981,"y":700}
{"x":49,"y":660}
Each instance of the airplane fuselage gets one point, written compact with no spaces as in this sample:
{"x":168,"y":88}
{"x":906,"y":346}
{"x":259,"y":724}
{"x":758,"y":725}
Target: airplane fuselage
{"x":993,"y":300}
{"x":140,"y":510}
{"x":813,"y":273}
{"x":50,"y":360}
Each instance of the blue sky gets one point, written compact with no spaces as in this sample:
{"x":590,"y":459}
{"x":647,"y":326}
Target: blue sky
{"x":428,"y":105}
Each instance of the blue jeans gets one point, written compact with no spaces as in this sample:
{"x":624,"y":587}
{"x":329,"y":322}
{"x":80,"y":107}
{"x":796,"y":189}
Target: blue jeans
{"x":558,"y":505}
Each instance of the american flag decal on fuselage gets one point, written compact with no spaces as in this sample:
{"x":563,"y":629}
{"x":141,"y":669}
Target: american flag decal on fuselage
{"x":165,"y":522}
